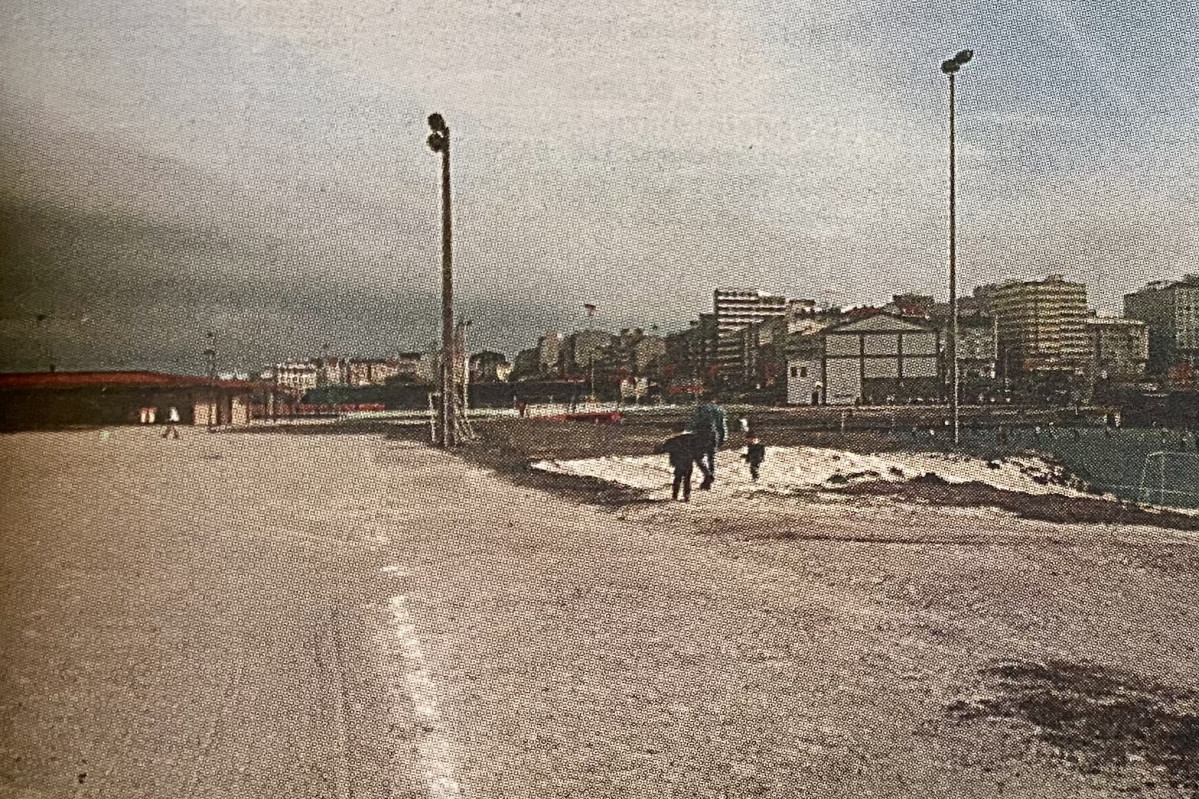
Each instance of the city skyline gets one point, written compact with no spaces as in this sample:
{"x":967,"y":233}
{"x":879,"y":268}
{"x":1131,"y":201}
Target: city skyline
{"x":260,"y":171}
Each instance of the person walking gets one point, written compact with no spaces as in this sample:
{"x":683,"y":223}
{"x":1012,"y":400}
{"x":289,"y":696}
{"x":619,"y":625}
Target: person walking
{"x":681,"y":449}
{"x":755,"y":453}
{"x":172,"y":429}
{"x":710,"y":425}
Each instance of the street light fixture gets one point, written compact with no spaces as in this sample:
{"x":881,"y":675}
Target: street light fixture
{"x":439,"y":142}
{"x":950,"y":67}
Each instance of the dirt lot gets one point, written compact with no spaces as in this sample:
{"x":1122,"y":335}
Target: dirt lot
{"x":1081,"y":702}
{"x":274,"y":615}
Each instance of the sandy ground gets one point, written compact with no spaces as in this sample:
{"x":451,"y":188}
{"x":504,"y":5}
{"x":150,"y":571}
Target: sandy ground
{"x":275,"y":615}
{"x":790,"y":469}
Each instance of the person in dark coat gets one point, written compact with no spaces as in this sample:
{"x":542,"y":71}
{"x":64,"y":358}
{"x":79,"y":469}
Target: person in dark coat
{"x":755,"y":453}
{"x":682,"y":452}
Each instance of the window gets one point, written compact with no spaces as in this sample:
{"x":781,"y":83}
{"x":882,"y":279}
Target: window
{"x":803,"y":371}
{"x":795,"y":371}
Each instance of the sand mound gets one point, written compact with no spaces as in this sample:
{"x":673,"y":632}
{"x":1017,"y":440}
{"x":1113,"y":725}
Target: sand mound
{"x":791,"y":469}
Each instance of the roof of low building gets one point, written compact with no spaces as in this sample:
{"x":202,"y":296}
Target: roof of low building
{"x":70,"y":380}
{"x":875,"y":321}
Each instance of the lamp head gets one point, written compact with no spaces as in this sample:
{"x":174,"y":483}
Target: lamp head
{"x":963,"y":57}
{"x":949,"y":66}
{"x":437,"y":123}
{"x":437,"y":142}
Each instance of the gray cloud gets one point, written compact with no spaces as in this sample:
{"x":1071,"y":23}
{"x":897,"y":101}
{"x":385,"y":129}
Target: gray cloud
{"x":121,"y":292}
{"x":260,"y":167}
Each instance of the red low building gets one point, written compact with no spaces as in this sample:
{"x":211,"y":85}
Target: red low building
{"x":40,"y":400}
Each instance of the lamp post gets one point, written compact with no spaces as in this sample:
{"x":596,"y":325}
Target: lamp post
{"x":462,"y":361}
{"x":210,"y":355}
{"x":950,"y":67}
{"x":439,"y":142}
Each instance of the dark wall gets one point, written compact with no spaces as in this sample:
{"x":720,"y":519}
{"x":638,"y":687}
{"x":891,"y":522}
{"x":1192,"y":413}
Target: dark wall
{"x":57,"y":408}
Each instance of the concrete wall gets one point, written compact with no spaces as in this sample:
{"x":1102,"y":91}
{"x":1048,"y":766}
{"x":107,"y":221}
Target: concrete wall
{"x":804,"y":380}
{"x":843,"y":380}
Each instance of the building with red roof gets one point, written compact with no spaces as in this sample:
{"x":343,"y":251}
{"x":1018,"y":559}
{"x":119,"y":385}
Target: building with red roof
{"x":38,"y":400}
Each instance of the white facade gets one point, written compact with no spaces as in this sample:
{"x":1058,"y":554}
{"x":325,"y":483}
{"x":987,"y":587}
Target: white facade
{"x":804,"y":381}
{"x":737,"y":309}
{"x":294,"y":376}
{"x":880,"y":358}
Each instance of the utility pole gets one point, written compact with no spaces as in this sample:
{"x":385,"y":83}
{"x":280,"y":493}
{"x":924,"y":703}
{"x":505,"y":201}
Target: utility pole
{"x":590,"y":309}
{"x":462,"y":361}
{"x":210,"y":355}
{"x":950,"y":67}
{"x":210,"y":358}
{"x":439,"y":142}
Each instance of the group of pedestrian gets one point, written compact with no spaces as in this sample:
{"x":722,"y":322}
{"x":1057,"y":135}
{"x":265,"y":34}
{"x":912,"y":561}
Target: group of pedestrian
{"x":697,"y":444}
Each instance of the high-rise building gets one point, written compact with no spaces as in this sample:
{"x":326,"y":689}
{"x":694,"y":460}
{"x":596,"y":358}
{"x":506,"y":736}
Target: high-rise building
{"x":691,"y":354}
{"x":549,"y":353}
{"x":585,"y":349}
{"x":1041,"y":325}
{"x":737,"y":309}
{"x":1170,"y":310}
{"x":638,"y":352}
{"x":983,"y":300}
{"x":1119,"y":348}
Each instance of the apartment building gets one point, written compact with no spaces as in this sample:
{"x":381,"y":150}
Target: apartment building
{"x":1041,"y":325}
{"x":549,"y":353}
{"x":1119,"y":348}
{"x":585,"y":348}
{"x":691,"y":354}
{"x":736,"y":309}
{"x":1170,"y":311}
{"x":295,"y":377}
{"x":373,"y":371}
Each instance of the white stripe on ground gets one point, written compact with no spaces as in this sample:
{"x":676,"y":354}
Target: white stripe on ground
{"x":417,"y":687}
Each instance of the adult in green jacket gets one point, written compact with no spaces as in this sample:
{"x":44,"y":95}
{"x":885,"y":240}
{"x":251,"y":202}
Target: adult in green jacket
{"x":711,"y":428}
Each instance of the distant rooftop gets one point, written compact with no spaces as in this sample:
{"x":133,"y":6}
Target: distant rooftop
{"x":1187,"y":281}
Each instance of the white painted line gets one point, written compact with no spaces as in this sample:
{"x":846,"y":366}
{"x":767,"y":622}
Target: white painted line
{"x":414,"y":684}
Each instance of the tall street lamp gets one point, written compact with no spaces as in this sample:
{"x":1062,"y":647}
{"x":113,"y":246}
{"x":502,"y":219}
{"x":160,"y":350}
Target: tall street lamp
{"x":210,"y":355}
{"x":950,"y":67}
{"x":439,"y":142}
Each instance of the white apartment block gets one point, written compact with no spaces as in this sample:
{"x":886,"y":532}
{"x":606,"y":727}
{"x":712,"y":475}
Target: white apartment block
{"x":297,"y":377}
{"x":737,"y":309}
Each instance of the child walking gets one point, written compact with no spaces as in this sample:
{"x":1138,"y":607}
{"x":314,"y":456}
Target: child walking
{"x":681,"y":449}
{"x":755,"y":453}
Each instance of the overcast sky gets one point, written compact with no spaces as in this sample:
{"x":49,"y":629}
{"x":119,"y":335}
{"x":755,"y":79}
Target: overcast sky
{"x":259,"y":168}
